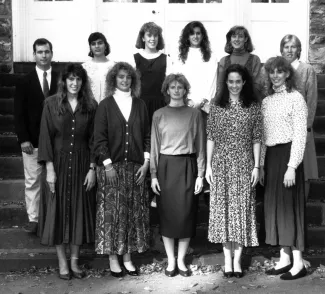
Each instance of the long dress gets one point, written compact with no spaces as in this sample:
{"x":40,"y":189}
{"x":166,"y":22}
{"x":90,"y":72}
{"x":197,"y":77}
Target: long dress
{"x":153,"y":72}
{"x":67,"y":141}
{"x":234,"y":129}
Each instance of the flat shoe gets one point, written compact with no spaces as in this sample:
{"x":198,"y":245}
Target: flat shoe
{"x":66,"y":277}
{"x":78,"y":275}
{"x":228,"y":274}
{"x":238,"y":275}
{"x":186,"y":273}
{"x":282,"y":270}
{"x":172,"y":273}
{"x":131,"y":273}
{"x":117,"y":275}
{"x":288,"y":276}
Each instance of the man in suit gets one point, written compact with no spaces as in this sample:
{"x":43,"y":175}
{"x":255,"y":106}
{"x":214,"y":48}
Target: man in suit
{"x":31,"y":92}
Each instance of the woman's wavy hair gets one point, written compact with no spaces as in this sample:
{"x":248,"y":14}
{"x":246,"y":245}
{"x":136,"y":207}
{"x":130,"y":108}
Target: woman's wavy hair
{"x":247,"y":94}
{"x":280,"y":63}
{"x":288,"y":38}
{"x":98,"y":36}
{"x":85,"y":100}
{"x":184,"y":42}
{"x":112,"y":74}
{"x":234,"y":31}
{"x":154,"y":29}
{"x":180,"y":78}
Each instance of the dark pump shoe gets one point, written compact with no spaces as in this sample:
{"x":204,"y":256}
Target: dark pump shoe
{"x":78,"y":275}
{"x":66,"y":277}
{"x":238,"y":275}
{"x":31,"y":227}
{"x":282,"y":270}
{"x":117,"y":275}
{"x":228,"y":274}
{"x":131,"y":273}
{"x":172,"y":273}
{"x":288,"y":276}
{"x":186,"y":273}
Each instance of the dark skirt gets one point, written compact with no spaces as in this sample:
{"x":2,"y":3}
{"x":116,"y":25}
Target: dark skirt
{"x":177,"y":204}
{"x":284,"y":207}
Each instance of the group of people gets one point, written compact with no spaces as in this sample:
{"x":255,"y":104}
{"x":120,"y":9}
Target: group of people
{"x":97,"y":129}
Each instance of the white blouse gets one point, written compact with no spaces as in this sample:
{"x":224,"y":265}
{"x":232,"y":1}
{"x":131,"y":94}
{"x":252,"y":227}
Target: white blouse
{"x":284,"y":121}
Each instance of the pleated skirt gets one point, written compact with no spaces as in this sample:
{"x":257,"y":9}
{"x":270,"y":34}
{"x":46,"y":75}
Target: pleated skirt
{"x":177,"y":204}
{"x":284,"y":207}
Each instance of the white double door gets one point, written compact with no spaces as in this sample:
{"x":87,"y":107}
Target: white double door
{"x":68,"y":24}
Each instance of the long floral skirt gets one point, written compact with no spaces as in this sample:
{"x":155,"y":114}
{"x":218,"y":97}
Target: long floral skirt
{"x":122,"y":218}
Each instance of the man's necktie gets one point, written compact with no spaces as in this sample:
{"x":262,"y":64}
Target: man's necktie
{"x":46,"y":88}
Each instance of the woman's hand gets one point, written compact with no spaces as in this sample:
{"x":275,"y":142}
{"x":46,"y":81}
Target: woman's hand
{"x":198,"y":185}
{"x":51,"y":179}
{"x":111,"y":175}
{"x":289,"y":177}
{"x":208,"y":175}
{"x":255,"y":176}
{"x":90,"y":180}
{"x":141,"y":173}
{"x":262,"y":175}
{"x":155,"y":186}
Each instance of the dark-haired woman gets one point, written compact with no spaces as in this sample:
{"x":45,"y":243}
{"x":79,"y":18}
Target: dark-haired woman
{"x":285,"y":129}
{"x":197,"y":63}
{"x":239,"y":47}
{"x":233,"y":153}
{"x":67,"y":212}
{"x":99,"y":65}
{"x":122,"y":146}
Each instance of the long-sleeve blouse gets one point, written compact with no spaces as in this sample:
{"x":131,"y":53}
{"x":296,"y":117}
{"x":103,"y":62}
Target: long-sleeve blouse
{"x":118,"y":139}
{"x":176,"y":131}
{"x":285,"y":120}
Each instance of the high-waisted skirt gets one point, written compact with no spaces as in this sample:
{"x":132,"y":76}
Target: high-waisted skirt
{"x":284,"y":207}
{"x":177,"y":204}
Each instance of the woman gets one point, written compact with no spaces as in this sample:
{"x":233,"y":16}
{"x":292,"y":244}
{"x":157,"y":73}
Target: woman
{"x":98,"y":67}
{"x":177,"y":166}
{"x":197,"y":63}
{"x":285,"y":130}
{"x":290,"y":48}
{"x":239,"y":47}
{"x":122,"y":146}
{"x":233,"y":154}
{"x":67,"y":213}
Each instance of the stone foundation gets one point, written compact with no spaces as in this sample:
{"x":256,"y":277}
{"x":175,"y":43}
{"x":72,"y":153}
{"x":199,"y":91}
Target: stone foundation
{"x":5,"y":36}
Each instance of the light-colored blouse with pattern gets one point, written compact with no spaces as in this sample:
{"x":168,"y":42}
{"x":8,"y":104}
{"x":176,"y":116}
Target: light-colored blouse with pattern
{"x":285,"y":120}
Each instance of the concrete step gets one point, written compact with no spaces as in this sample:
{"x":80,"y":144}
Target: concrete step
{"x":321,"y":166}
{"x":315,"y":213}
{"x":321,"y":80}
{"x":12,"y":190}
{"x":11,"y":168}
{"x":319,"y":125}
{"x":9,"y":145}
{"x":6,"y":106}
{"x":321,"y":94}
{"x":320,"y":111}
{"x":320,"y":145}
{"x":6,"y":123}
{"x":317,"y":190}
{"x":7,"y":92}
{"x":9,"y":80}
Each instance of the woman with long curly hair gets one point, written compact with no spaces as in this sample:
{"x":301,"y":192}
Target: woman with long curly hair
{"x":198,"y":64}
{"x":122,"y":146}
{"x":67,"y":208}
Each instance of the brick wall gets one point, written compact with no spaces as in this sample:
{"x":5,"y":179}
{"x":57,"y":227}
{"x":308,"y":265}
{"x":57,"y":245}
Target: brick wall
{"x":5,"y":36}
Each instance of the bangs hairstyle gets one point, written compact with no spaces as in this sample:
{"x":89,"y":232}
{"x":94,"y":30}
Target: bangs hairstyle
{"x":234,"y":31}
{"x":247,"y":94}
{"x":154,"y":29}
{"x":175,"y":78}
{"x":42,"y":42}
{"x":98,"y":36}
{"x":87,"y":103}
{"x":185,"y":44}
{"x":288,"y":38}
{"x":111,"y":79}
{"x":280,"y":63}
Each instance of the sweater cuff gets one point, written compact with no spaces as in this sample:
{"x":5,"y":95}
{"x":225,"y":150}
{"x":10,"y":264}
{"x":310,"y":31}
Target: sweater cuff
{"x":201,"y":173}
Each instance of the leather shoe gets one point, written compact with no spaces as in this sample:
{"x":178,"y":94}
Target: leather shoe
{"x":228,"y":274}
{"x":66,"y":277}
{"x":31,"y":227}
{"x":282,"y":270}
{"x":117,"y":275}
{"x":288,"y":276}
{"x":186,"y":273}
{"x":78,"y":275}
{"x":172,"y":273}
{"x":238,"y":275}
{"x":131,"y":273}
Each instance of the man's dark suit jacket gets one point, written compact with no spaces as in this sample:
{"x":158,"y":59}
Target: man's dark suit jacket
{"x":29,"y":102}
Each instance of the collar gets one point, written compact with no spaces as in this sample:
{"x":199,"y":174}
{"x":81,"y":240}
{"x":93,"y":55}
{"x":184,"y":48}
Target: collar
{"x":120,"y":95}
{"x":40,"y":71}
{"x":280,"y":89}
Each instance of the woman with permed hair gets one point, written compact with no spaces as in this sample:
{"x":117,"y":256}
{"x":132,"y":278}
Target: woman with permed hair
{"x":177,"y":164}
{"x":239,"y":47}
{"x":67,"y":210}
{"x":99,"y":65}
{"x":122,"y":146}
{"x":197,"y":62}
{"x":284,"y":114}
{"x":233,"y":154}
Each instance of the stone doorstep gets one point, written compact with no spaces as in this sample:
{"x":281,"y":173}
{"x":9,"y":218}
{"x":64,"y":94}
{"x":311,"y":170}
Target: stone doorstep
{"x":321,"y":94}
{"x":7,"y":92}
{"x":320,"y":111}
{"x":9,"y":145}
{"x":6,"y":106}
{"x":7,"y":123}
{"x":11,"y":167}
{"x":319,"y":125}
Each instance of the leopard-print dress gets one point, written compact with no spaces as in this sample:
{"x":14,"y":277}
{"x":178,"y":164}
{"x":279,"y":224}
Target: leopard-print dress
{"x":233,"y":129}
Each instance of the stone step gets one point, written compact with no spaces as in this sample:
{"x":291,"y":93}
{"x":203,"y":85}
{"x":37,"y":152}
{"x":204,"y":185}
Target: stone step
{"x":317,"y":190}
{"x":7,"y":92}
{"x":320,"y":111}
{"x":321,"y":166}
{"x":11,"y":168}
{"x":12,"y":190}
{"x":320,"y":145}
{"x":321,"y":94}
{"x":315,"y":213}
{"x":6,"y":106}
{"x":9,"y":145}
{"x":319,"y":125}
{"x":7,"y":123}
{"x":9,"y":80}
{"x":321,"y":80}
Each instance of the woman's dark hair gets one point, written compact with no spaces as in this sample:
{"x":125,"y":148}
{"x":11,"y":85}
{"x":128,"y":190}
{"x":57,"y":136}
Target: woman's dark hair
{"x":85,"y":100}
{"x":280,"y":63}
{"x":288,"y":38}
{"x":185,"y":44}
{"x":111,"y":79}
{"x":247,"y":95}
{"x":234,"y":31}
{"x":98,"y":36}
{"x":175,"y":78}
{"x":154,"y":29}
